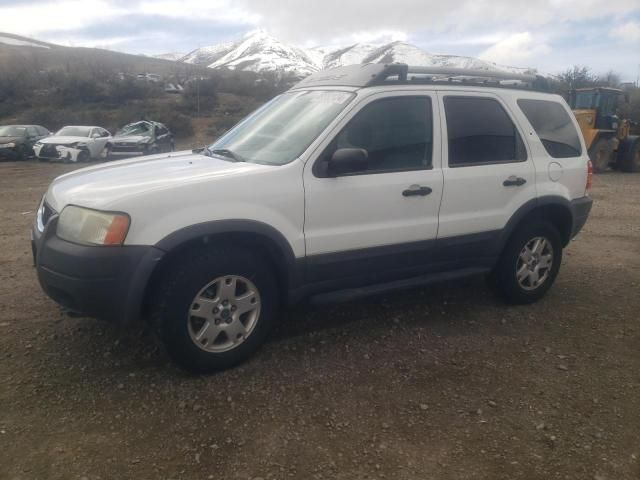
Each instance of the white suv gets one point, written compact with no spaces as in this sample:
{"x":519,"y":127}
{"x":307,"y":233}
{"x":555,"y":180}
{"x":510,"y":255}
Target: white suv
{"x":358,"y":180}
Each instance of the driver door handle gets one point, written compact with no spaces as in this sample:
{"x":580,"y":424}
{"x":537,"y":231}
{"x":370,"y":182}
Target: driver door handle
{"x":514,"y":181}
{"x":417,"y":190}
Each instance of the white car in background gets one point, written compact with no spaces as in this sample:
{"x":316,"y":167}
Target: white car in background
{"x":75,"y":144}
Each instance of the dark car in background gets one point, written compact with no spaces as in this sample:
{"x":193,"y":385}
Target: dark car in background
{"x":16,"y":141}
{"x":142,"y":138}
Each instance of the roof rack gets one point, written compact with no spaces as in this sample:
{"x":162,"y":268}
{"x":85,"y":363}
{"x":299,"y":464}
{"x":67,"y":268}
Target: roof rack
{"x":373,"y":74}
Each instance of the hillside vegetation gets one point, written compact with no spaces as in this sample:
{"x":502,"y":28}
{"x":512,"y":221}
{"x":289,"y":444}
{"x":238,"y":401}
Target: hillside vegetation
{"x":53,"y":86}
{"x":57,"y":86}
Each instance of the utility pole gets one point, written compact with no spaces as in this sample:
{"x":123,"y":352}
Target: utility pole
{"x":198,"y":94}
{"x":198,"y":88}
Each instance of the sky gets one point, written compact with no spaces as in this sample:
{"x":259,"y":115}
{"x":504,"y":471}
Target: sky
{"x":549,"y":35}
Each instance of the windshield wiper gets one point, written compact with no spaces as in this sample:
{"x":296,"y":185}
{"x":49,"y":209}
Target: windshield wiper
{"x":224,"y":152}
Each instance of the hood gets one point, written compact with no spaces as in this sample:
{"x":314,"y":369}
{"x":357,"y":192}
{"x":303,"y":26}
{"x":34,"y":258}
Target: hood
{"x":111,"y":184}
{"x":11,"y":139}
{"x":63,"y":140}
{"x":130,"y":138}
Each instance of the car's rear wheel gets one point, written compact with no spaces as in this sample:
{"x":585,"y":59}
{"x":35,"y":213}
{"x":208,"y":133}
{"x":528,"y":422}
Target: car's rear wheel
{"x":214,"y":308}
{"x":529,"y":263}
{"x":22,"y":152}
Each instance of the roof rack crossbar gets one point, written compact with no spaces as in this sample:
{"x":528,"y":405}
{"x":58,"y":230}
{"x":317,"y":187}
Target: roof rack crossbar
{"x":403,"y":71}
{"x":377,"y":74}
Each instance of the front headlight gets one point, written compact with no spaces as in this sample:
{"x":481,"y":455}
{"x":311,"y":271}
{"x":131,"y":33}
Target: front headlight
{"x":92,"y":227}
{"x":7,"y":145}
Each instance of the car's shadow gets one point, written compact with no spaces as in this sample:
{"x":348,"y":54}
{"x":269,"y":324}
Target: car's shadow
{"x":102,"y":346}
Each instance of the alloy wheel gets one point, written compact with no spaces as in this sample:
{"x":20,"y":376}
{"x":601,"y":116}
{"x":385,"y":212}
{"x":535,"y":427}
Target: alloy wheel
{"x":534,"y":263}
{"x":224,"y":313}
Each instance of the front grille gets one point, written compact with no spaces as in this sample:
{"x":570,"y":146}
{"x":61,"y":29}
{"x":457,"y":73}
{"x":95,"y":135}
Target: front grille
{"x":47,"y":213}
{"x":49,"y":151}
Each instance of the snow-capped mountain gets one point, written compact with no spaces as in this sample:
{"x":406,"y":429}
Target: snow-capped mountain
{"x":401,"y":52}
{"x":337,"y":56}
{"x":169,"y":56}
{"x":207,"y":55}
{"x":260,"y":52}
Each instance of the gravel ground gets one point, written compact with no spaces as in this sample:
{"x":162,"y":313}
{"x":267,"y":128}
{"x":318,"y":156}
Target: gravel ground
{"x":442,"y":382}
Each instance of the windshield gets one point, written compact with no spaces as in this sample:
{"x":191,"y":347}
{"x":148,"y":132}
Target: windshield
{"x":140,"y":128}
{"x":281,"y":130}
{"x":584,"y":100}
{"x":12,"y":131}
{"x":73,"y":132}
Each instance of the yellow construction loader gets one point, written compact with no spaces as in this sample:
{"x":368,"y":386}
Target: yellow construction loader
{"x":607,"y":136}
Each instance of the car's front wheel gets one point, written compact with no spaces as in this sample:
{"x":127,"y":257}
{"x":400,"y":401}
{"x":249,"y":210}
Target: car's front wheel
{"x":105,"y":153}
{"x":215,"y":307}
{"x":529,"y":263}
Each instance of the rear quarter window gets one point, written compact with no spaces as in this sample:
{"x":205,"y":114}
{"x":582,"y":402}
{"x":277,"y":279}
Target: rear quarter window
{"x":554,"y":127}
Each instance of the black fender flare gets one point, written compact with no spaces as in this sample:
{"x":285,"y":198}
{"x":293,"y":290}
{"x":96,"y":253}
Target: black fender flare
{"x":528,"y":208}
{"x":234,"y":226}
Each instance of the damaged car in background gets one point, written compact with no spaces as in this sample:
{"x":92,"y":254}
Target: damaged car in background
{"x":75,"y":144}
{"x":142,"y":138}
{"x":16,"y":141}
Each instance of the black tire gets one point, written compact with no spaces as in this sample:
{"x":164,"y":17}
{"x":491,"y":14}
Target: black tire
{"x":153,"y":150}
{"x":601,"y":155}
{"x":504,"y":276}
{"x":21,"y":153}
{"x":83,"y":156}
{"x":629,"y":156}
{"x":181,"y":283}
{"x":106,"y":153}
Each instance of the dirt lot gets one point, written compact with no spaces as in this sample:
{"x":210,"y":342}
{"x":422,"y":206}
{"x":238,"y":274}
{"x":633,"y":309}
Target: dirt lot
{"x":434,"y":383}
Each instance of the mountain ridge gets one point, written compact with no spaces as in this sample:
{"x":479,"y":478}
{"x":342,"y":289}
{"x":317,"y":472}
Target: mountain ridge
{"x":260,"y":52}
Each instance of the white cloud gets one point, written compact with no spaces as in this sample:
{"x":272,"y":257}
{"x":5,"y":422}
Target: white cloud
{"x":67,"y":15}
{"x":223,"y":11}
{"x":320,"y":21}
{"x":628,"y":32}
{"x":33,"y":18}
{"x":515,"y":49}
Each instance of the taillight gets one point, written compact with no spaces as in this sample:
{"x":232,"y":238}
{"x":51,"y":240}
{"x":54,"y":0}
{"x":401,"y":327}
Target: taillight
{"x":587,"y":189}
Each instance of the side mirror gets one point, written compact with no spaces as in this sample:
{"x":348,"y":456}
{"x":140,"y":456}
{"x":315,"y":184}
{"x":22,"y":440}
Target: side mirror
{"x":95,"y":135}
{"x":347,"y":160}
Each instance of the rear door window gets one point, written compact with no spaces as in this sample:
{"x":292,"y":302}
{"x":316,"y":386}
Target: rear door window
{"x":554,"y":127}
{"x":481,"y":133}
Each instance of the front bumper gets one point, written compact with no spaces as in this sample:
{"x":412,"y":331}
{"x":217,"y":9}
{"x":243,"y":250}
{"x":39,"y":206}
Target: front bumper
{"x":56,"y":152}
{"x":128,"y":148}
{"x":103,"y":282}
{"x":8,"y":153}
{"x":580,"y":209}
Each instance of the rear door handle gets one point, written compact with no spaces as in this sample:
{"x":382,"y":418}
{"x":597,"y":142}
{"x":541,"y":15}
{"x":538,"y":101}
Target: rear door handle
{"x":414,"y":190}
{"x":514,"y":181}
